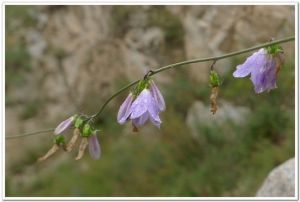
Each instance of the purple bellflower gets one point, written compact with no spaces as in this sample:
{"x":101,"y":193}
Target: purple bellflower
{"x":263,"y":68}
{"x":63,"y":126}
{"x":145,"y":106}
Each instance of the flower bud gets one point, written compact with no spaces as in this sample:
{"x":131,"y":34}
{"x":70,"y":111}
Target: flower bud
{"x":214,"y":79}
{"x":64,"y":125}
{"x":59,"y":140}
{"x":78,"y":122}
{"x":87,"y":130}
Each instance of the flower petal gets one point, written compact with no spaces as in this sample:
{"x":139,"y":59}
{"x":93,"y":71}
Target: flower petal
{"x":157,"y":96}
{"x":155,"y":122}
{"x":64,"y":125}
{"x":140,"y":105}
{"x":141,"y":120}
{"x":124,"y":111}
{"x":252,"y":62}
{"x":153,"y":109}
{"x":264,"y":78}
{"x":94,"y":147}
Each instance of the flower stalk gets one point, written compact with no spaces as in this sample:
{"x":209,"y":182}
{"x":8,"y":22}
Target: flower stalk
{"x":164,"y":68}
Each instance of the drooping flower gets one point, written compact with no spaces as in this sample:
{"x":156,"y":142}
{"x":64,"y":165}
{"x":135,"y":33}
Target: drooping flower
{"x":124,"y":111}
{"x":143,"y":104}
{"x":159,"y":99}
{"x":143,"y":108}
{"x":263,"y":68}
{"x":94,"y":147}
{"x":64,"y":125}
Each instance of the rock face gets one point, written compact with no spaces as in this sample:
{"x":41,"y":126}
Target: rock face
{"x":213,"y":30}
{"x":200,"y":115}
{"x":280,"y":182}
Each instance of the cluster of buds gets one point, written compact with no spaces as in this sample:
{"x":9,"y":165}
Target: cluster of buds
{"x":81,"y":130}
{"x":143,"y":104}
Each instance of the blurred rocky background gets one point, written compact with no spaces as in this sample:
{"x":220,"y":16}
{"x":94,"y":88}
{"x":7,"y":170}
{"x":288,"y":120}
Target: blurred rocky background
{"x":65,"y":59}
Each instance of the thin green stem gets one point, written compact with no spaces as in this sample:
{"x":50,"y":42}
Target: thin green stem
{"x":164,"y":68}
{"x":113,"y":96}
{"x":31,"y":133}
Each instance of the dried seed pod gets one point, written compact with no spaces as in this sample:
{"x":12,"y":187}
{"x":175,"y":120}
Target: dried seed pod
{"x":53,"y":149}
{"x":279,"y":58}
{"x":83,"y":144}
{"x":213,"y":99}
{"x":71,"y":143}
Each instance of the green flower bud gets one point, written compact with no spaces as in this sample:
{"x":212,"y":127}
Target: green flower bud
{"x":87,"y":130}
{"x":214,"y":79}
{"x":78,"y":122}
{"x":274,"y":49}
{"x":59,"y":140}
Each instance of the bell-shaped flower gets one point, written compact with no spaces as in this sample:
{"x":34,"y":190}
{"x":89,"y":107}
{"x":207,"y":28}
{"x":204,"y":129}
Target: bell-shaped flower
{"x":124,"y":111}
{"x":94,"y":147}
{"x":63,"y":126}
{"x":144,"y":108}
{"x":156,"y":94}
{"x":263,"y":68}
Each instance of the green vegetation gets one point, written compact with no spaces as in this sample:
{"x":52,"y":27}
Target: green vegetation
{"x":17,"y":59}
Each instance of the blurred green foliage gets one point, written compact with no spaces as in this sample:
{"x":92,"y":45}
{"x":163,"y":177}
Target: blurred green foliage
{"x":17,"y":59}
{"x":226,"y":160}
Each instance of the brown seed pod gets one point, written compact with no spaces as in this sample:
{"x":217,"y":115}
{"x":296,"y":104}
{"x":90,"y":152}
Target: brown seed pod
{"x":279,"y":58}
{"x":71,"y":143}
{"x":83,"y":144}
{"x":53,"y":149}
{"x":213,"y":99}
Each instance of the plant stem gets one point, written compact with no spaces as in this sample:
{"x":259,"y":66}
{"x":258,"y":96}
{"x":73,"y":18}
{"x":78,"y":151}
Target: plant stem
{"x":32,"y":133}
{"x":164,"y":68}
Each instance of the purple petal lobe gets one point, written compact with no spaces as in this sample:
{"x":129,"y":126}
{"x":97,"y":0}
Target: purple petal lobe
{"x":141,"y":120}
{"x":156,"y":122}
{"x":124,"y":110}
{"x":159,"y":99}
{"x":94,"y":147}
{"x":251,"y":62}
{"x":264,"y":77}
{"x":153,"y":109}
{"x":64,"y":125}
{"x":140,"y":105}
